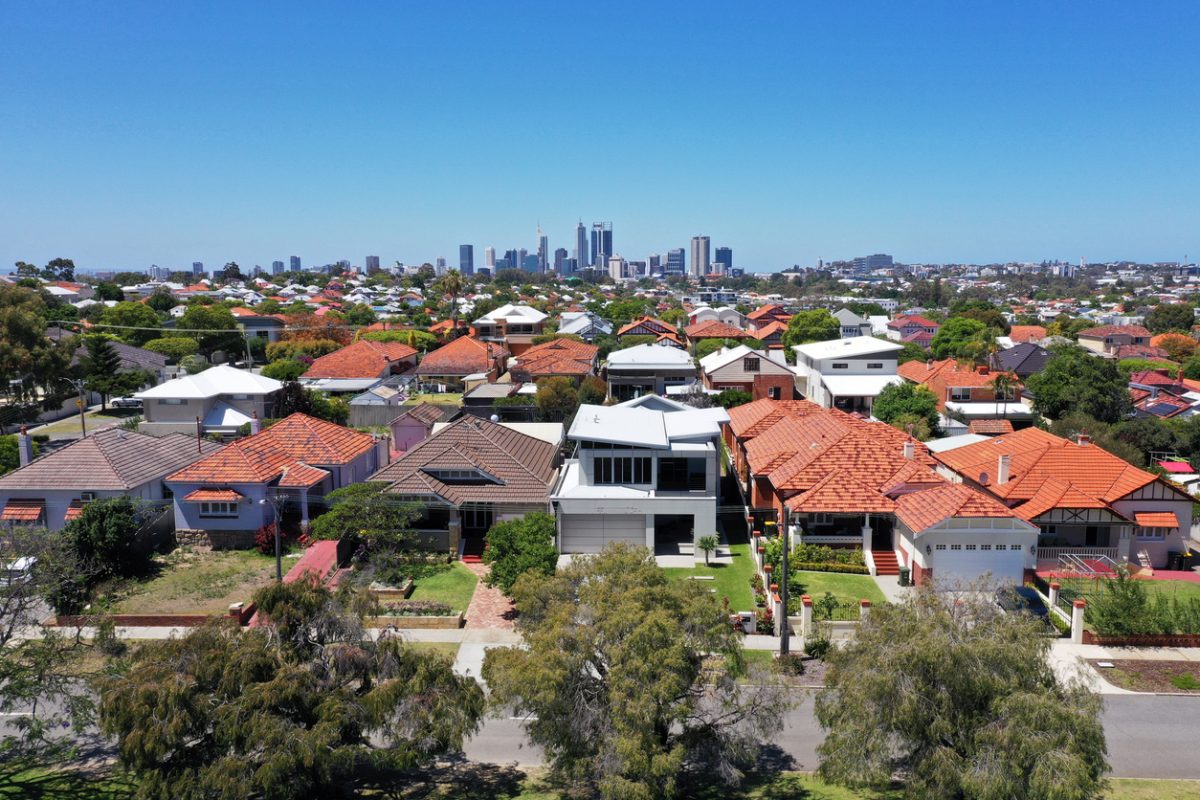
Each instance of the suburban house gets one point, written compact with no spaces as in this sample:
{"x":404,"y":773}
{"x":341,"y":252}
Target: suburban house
{"x":260,"y":326}
{"x":650,"y":326}
{"x":1087,"y":503}
{"x":648,"y":369}
{"x":759,"y":373}
{"x":1022,"y":360}
{"x":359,"y":366}
{"x":415,"y":424}
{"x":1159,"y":393}
{"x":587,"y":325}
{"x":469,"y":475}
{"x":462,"y":362}
{"x":558,"y":358}
{"x":848,"y":482}
{"x":771,"y":335}
{"x":852,"y":324}
{"x":513,"y":326}
{"x":51,"y":490}
{"x":1116,"y":340}
{"x":727,"y":314}
{"x":646,"y":471}
{"x":912,"y":328}
{"x":846,"y":373}
{"x":222,"y":398}
{"x":1025,"y":334}
{"x":969,"y":392}
{"x":224,"y":498}
{"x":713,"y":329}
{"x":766,"y":315}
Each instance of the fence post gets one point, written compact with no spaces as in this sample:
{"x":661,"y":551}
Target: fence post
{"x":1054,"y":587}
{"x":1077,"y":621}
{"x":806,"y":622}
{"x":864,"y":608}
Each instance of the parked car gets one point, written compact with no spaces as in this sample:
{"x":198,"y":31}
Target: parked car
{"x":125,"y":402}
{"x":17,"y":572}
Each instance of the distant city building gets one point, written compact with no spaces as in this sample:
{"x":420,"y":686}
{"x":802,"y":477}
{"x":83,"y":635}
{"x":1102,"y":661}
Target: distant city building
{"x":602,"y":243}
{"x":295,"y":263}
{"x":489,"y":258}
{"x":440,"y":263}
{"x":724,"y":255}
{"x":276,"y":267}
{"x":466,"y":259}
{"x":501,"y":263}
{"x":654,"y":263}
{"x":342,"y":265}
{"x":676,"y":264}
{"x":560,"y":260}
{"x":581,"y":247}
{"x":637,"y":269}
{"x":616,"y":268}
{"x":197,"y":268}
{"x":543,"y":252}
{"x":869,"y":263}
{"x":700,"y":256}
{"x":372,"y":264}
{"x":158,"y":273}
{"x":530,"y":262}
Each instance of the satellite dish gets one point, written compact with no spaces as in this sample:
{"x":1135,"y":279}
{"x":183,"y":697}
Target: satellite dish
{"x":983,"y":478}
{"x":495,"y":417}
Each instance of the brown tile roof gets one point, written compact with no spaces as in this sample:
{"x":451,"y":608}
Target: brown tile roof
{"x":109,"y":459}
{"x":1026,"y":333}
{"x":651,"y":323}
{"x":926,"y":508}
{"x":265,"y":456}
{"x":1140,"y":351}
{"x":523,"y":465}
{"x":557,"y":357}
{"x":428,"y":413}
{"x":714,"y":329}
{"x":1102,"y":331}
{"x":363,"y":359}
{"x":465,"y":355}
{"x":990,"y":427}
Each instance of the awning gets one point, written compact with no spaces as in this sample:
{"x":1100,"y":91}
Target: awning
{"x":214,"y":496}
{"x":859,"y":385}
{"x":23,"y":510}
{"x":1178,"y":467}
{"x":1156,"y":519}
{"x":74,"y":511}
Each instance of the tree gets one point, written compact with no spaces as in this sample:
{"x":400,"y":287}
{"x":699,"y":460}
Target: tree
{"x":451,"y":285}
{"x":359,"y":315}
{"x":960,"y":700}
{"x":231,"y":272}
{"x":517,"y":546}
{"x":135,"y":323}
{"x":557,"y":400}
{"x":308,"y":705}
{"x":10,"y":457}
{"x":1171,"y":317}
{"x":28,"y":359}
{"x":729,"y":398}
{"x":106,"y":290}
{"x":421,"y":341}
{"x":294,"y":398}
{"x":59,"y":269}
{"x":301,"y":349}
{"x":817,"y":325}
{"x":1075,"y":381}
{"x":214,"y":328}
{"x":899,"y":402}
{"x":1003,"y":385}
{"x":910,"y":351}
{"x":287,"y":369}
{"x":175,"y":348}
{"x":956,"y":337}
{"x":366,"y":513}
{"x":26,"y":270}
{"x":708,"y":544}
{"x":592,"y":390}
{"x":1178,"y":346}
{"x":102,"y":539}
{"x":623,"y":311}
{"x":616,"y":679}
{"x":161,"y":301}
{"x":101,"y":367}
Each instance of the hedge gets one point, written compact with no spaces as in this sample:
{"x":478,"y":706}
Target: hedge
{"x":849,"y":569}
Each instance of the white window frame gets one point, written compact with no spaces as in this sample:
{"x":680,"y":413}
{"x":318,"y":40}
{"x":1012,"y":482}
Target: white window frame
{"x":1151,"y":534}
{"x":218,"y":509}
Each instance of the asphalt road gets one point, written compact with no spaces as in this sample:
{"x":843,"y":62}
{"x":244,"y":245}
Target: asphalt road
{"x":1148,"y":737}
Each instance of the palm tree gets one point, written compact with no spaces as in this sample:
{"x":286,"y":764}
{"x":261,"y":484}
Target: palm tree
{"x":1002,"y":384}
{"x":452,"y":284}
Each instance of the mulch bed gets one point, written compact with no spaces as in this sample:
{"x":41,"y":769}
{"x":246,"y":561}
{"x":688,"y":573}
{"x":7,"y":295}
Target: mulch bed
{"x":1148,"y":676}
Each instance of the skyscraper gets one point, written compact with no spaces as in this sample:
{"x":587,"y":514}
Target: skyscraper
{"x":466,"y":259}
{"x":560,"y":260}
{"x":197,"y":268}
{"x":581,"y":247}
{"x":543,"y":253}
{"x":616,"y":268}
{"x":700,"y":258}
{"x":276,"y":267}
{"x":724,"y":256}
{"x":602,"y":243}
{"x":676,"y":263}
{"x":372,"y":264}
{"x":489,"y":257}
{"x":295,"y":263}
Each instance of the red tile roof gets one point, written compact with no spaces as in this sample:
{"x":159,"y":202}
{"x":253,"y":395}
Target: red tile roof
{"x":990,"y":427}
{"x":924,"y":509}
{"x":770,"y":329}
{"x":214,"y":496}
{"x":557,"y":357}
{"x":839,"y":493}
{"x":751,"y":419}
{"x":1026,"y":333}
{"x":651,"y":323}
{"x":1156,"y":519}
{"x":912,"y":319}
{"x":363,"y":359}
{"x":714,"y":329}
{"x":23,"y":510}
{"x":770,"y":310}
{"x":465,"y":355}
{"x":1140,"y":351}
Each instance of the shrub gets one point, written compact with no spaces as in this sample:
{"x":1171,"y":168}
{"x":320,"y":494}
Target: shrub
{"x":416,"y":608}
{"x":1185,"y":681}
{"x":264,"y":539}
{"x":817,"y":646}
{"x":518,"y":546}
{"x":790,"y":664}
{"x":285,"y":369}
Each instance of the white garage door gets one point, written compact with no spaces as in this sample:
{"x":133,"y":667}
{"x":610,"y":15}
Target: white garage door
{"x":967,"y":562}
{"x":588,"y":533}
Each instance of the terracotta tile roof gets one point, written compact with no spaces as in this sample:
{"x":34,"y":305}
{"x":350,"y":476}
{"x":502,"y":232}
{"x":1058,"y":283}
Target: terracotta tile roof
{"x":1140,"y":351}
{"x":1026,"y":333}
{"x":1163,"y":406}
{"x":363,"y":359}
{"x":1154,"y":377}
{"x":267,"y":455}
{"x":921,"y":371}
{"x":557,"y":357}
{"x":912,"y":319}
{"x":921,"y":337}
{"x":301,"y":476}
{"x":651,"y":323}
{"x":74,"y":511}
{"x":990,"y":427}
{"x":1053,"y":494}
{"x":749,"y":420}
{"x":23,"y":510}
{"x":714,"y":329}
{"x":242,"y":311}
{"x":839,"y":493}
{"x":1137,"y":395}
{"x":924,"y":509}
{"x":465,"y":355}
{"x":1156,"y":519}
{"x":523,"y":467}
{"x":913,"y":475}
{"x":770,"y":329}
{"x":1103,"y":331}
{"x":770,"y":310}
{"x":109,"y":459}
{"x":214,"y":496}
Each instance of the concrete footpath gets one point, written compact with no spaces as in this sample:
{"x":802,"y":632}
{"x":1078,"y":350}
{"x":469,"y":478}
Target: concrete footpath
{"x":1070,"y":661}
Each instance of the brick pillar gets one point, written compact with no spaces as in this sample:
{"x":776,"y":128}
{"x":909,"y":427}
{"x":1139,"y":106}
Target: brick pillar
{"x":1077,"y":621}
{"x":1054,"y":587}
{"x":864,"y":608}
{"x":806,"y":619}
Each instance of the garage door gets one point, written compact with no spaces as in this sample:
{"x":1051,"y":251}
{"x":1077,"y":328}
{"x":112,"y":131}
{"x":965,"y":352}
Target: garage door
{"x":589,"y":533}
{"x":966,"y":562}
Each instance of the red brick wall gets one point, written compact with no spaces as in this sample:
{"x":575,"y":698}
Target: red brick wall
{"x":921,"y":575}
{"x":786,"y":384}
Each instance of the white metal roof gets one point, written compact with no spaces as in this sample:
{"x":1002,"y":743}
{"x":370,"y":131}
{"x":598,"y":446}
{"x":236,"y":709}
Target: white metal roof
{"x":649,"y":355}
{"x":846,"y":348}
{"x":858,"y":385}
{"x":954,"y":442}
{"x":211,"y":383}
{"x":644,"y":427}
{"x":510,"y":312}
{"x":985,"y":410}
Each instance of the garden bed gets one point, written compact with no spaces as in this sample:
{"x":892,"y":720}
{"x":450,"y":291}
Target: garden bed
{"x":412,"y":621}
{"x":1139,"y":675}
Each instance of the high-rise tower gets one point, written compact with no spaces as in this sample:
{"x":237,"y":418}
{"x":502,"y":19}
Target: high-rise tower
{"x":701,"y":262}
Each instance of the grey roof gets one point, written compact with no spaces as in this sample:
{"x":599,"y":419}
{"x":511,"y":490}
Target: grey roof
{"x":110,"y":459}
{"x":131,"y":357}
{"x":1023,"y":359}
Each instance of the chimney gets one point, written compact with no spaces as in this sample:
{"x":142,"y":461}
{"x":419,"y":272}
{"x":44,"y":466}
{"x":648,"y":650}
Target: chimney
{"x":1002,"y":469}
{"x":909,"y":450}
{"x":929,"y":364}
{"x":982,"y":369}
{"x":1083,"y":440}
{"x":24,"y":447}
{"x":255,"y":426}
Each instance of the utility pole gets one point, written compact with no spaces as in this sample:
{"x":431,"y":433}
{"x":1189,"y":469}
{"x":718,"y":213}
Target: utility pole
{"x":784,"y":635}
{"x":77,"y":383}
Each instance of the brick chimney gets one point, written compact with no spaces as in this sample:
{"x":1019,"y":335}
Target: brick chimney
{"x":982,"y":369}
{"x":909,"y":450}
{"x":1083,"y":439}
{"x":255,"y":425}
{"x":24,"y":447}
{"x":1003,"y":466}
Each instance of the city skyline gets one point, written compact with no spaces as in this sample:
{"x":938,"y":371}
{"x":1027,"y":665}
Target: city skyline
{"x":1010,"y":133}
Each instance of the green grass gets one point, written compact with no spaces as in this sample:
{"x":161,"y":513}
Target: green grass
{"x":447,"y":399}
{"x":193,"y":582}
{"x":448,"y":649}
{"x":729,"y":580}
{"x":844,"y":587}
{"x":1185,"y":590}
{"x":453,"y":587}
{"x":69,"y":426}
{"x":1137,"y":789}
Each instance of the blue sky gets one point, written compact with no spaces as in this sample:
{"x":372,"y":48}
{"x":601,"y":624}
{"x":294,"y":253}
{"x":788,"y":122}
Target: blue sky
{"x":138,"y":133}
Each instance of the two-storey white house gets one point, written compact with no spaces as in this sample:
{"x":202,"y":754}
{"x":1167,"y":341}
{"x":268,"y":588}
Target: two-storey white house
{"x":648,"y":369}
{"x":222,"y":398}
{"x":646,"y":471}
{"x":847,"y":374}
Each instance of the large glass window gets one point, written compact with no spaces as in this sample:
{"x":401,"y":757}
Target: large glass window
{"x":681,"y":474}
{"x":611,"y":471}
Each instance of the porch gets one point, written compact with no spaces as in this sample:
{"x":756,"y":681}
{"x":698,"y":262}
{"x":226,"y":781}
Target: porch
{"x":1093,"y":535}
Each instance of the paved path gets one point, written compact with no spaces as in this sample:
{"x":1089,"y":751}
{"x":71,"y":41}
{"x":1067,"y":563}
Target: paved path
{"x":891,"y":588}
{"x":489,"y":607}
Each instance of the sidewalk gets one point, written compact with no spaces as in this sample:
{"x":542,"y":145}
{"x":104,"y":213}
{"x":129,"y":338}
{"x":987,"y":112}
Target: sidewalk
{"x":1069,"y":661}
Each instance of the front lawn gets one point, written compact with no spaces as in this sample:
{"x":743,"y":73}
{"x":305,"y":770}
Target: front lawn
{"x":453,"y":586}
{"x":69,"y":426}
{"x":845,"y":587}
{"x":728,"y":580}
{"x":195,"y":582}
{"x":1090,"y":587}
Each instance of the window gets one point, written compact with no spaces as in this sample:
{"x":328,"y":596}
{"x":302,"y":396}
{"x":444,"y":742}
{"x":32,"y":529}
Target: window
{"x":239,"y":397}
{"x":750,"y":364}
{"x":960,"y":394}
{"x":985,"y":547}
{"x":970,"y":547}
{"x":218,"y":509}
{"x":1150,"y":534}
{"x":682,"y":474}
{"x":1049,"y":530}
{"x":820,"y":519}
{"x":171,"y":401}
{"x":875,"y":365}
{"x":940,"y":547}
{"x":461,"y":476}
{"x":956,"y":547}
{"x":87,"y":497}
{"x":773,"y":392}
{"x":841,"y":365}
{"x":612,"y":471}
{"x":1014,"y":547}
{"x":262,"y":334}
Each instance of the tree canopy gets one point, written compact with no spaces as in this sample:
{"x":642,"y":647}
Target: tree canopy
{"x":134,"y":323}
{"x":899,"y":403}
{"x":816,"y":325}
{"x":518,"y":545}
{"x":1171,"y":317}
{"x":219,"y":329}
{"x":1073,"y":380}
{"x":958,"y":337}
